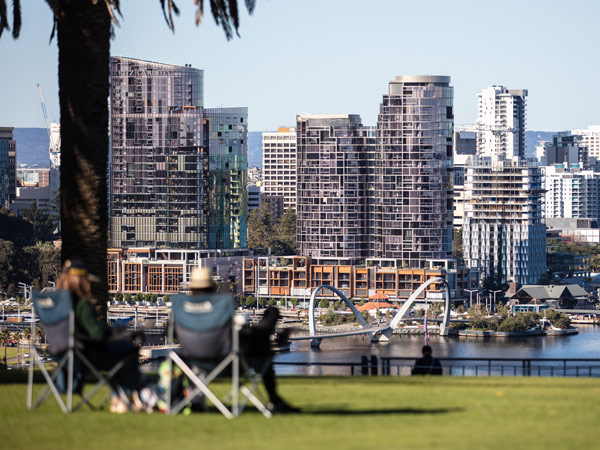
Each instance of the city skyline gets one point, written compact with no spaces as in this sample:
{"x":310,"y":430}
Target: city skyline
{"x":475,"y":44}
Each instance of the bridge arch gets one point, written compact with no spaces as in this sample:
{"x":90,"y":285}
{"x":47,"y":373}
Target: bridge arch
{"x":413,"y":298}
{"x":311,"y":320}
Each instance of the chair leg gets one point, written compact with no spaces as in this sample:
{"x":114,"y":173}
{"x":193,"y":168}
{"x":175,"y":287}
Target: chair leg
{"x":256,"y":402}
{"x":50,"y":384}
{"x":200,"y":385}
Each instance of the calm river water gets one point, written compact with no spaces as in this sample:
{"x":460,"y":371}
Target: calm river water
{"x":586,"y":344}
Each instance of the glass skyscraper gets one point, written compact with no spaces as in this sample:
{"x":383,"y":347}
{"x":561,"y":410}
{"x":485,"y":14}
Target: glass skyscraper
{"x":8,"y":167}
{"x":177,"y":170}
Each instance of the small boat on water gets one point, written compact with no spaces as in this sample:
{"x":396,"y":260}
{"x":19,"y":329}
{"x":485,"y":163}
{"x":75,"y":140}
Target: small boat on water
{"x":553,"y":331}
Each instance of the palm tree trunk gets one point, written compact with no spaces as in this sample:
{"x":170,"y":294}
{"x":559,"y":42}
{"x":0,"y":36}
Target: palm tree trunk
{"x":83,"y":69}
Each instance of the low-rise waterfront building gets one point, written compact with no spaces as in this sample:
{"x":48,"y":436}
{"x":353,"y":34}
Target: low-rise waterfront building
{"x":167,"y":271}
{"x":299,"y":276}
{"x":536,"y":298}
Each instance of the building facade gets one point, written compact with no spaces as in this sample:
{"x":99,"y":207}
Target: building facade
{"x":410,"y":208}
{"x":177,"y":170}
{"x":571,"y":192}
{"x":167,"y":271}
{"x":332,"y":166}
{"x":565,"y":148}
{"x":39,"y":186}
{"x":8,"y":166}
{"x":501,"y":122}
{"x":590,"y":139}
{"x":298,"y":276}
{"x":253,"y":198}
{"x":279,"y":165}
{"x":503,"y":232}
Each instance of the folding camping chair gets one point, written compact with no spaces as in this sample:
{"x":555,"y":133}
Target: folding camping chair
{"x":208,"y":332}
{"x":55,"y":311}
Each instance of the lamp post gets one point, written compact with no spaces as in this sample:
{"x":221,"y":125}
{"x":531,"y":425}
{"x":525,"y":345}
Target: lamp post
{"x":470,"y":291}
{"x":479,"y":297}
{"x":494,"y":305}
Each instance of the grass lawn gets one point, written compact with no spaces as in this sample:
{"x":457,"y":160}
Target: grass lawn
{"x":339,"y":413}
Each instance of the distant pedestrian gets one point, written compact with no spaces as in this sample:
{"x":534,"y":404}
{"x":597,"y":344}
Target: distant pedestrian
{"x":427,"y":365}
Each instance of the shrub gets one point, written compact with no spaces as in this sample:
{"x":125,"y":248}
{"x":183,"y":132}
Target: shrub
{"x":481,"y":323}
{"x":250,"y":301}
{"x":512,"y":324}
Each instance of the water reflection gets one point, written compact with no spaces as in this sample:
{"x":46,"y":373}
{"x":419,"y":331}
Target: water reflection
{"x":586,"y":344}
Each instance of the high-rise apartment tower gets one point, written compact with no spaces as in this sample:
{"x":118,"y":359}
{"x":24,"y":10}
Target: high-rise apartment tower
{"x":177,"y":170}
{"x":503,"y":230}
{"x":279,"y":165}
{"x":590,"y":139}
{"x":333,"y":160}
{"x":410,"y":206}
{"x":501,"y":122}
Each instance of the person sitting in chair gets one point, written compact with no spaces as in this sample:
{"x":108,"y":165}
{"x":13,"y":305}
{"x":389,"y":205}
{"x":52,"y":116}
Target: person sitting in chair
{"x":427,"y":365}
{"x":102,"y":351}
{"x":255,"y":341}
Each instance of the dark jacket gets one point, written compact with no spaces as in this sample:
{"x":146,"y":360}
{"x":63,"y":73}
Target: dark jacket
{"x":427,"y":365}
{"x":86,"y":323}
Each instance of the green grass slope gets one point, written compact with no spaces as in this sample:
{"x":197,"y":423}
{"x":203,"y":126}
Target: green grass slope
{"x":339,"y":413}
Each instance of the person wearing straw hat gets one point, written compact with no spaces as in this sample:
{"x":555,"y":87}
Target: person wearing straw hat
{"x":201,"y":281}
{"x":255,"y":340}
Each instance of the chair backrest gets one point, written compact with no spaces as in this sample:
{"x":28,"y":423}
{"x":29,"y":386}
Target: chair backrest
{"x":53,"y":310}
{"x":203,"y":324}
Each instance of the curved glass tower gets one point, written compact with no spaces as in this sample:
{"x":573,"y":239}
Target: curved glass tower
{"x":177,"y":170}
{"x":411,"y":202}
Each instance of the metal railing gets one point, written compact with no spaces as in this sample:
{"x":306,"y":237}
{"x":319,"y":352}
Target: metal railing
{"x":402,"y":366}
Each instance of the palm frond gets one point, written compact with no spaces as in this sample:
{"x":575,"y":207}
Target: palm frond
{"x":3,"y":17}
{"x":113,"y":6}
{"x":16,"y":18}
{"x":225,"y":13}
{"x":220,"y":12}
{"x":169,"y":7}
{"x":199,"y":11}
{"x":4,"y":25}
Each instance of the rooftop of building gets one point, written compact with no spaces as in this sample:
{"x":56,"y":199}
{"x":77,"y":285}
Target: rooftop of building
{"x":143,"y":61}
{"x":421,"y":79}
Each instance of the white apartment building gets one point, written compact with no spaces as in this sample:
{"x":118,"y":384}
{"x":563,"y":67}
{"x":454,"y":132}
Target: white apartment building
{"x":503,"y":230}
{"x":501,"y":122}
{"x":571,"y":192}
{"x":279,"y":165}
{"x":591,"y":139}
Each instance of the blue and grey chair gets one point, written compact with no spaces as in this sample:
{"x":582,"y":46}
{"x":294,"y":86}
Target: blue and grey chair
{"x":208,"y":332}
{"x":55,"y":312}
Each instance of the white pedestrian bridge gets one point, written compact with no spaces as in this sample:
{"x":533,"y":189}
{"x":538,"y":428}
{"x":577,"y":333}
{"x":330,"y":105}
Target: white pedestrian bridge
{"x":380,"y":332}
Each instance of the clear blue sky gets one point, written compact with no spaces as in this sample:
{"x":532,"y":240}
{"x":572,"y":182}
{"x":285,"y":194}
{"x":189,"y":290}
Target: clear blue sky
{"x":336,"y":56}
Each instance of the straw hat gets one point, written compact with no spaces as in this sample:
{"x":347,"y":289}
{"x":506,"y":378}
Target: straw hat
{"x":201,"y":278}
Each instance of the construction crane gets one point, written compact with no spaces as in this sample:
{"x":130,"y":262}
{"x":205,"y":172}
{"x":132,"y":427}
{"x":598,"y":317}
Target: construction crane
{"x":53,"y":132}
